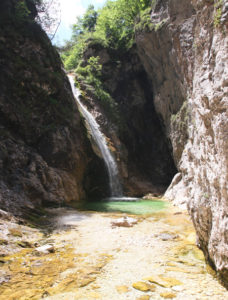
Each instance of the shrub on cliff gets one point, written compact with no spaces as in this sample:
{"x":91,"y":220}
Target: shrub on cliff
{"x":91,"y":76}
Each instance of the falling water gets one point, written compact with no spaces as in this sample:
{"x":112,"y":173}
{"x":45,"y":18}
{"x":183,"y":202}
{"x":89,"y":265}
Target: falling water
{"x":115,"y":186}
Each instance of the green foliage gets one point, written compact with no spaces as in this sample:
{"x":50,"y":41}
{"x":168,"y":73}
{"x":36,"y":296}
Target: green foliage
{"x":181,"y":118}
{"x":144,"y":21}
{"x":218,"y":13}
{"x":89,"y":19}
{"x":115,"y":23}
{"x":21,"y":11}
{"x":111,"y":26}
{"x":217,"y":17}
{"x":91,"y":76}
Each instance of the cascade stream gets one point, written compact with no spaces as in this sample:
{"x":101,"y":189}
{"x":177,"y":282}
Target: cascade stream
{"x":114,"y":182}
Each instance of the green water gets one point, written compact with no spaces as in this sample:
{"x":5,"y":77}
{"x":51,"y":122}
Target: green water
{"x":141,"y":207}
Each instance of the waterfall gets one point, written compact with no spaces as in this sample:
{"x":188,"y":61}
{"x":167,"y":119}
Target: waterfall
{"x":114,"y":182}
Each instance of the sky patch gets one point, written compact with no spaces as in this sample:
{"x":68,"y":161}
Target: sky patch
{"x":70,"y":10}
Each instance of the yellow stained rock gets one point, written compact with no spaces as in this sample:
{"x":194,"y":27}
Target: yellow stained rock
{"x":171,"y":264}
{"x":122,"y":289}
{"x":177,"y":269}
{"x":191,"y":238}
{"x":166,"y":282}
{"x":15,"y":232}
{"x":94,"y":295}
{"x":144,"y":297}
{"x":86,"y":281}
{"x":95,"y":286}
{"x":143,"y":287}
{"x":168,"y":295}
{"x":24,"y":294}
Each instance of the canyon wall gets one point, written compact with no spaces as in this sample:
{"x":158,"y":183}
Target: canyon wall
{"x":45,"y":156}
{"x":185,"y":53}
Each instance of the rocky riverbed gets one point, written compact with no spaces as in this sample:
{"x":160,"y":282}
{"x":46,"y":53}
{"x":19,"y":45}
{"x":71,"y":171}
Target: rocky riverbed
{"x":93,"y":255}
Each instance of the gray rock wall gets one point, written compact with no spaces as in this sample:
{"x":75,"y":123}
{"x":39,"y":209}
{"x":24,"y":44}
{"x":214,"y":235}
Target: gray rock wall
{"x":186,"y":57}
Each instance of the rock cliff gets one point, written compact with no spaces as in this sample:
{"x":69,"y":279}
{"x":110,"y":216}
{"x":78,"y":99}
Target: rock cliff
{"x":138,"y":139}
{"x":185,"y":53}
{"x":45,"y":156}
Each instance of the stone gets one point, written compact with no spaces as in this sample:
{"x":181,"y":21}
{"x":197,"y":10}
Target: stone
{"x":4,"y":277}
{"x":5,"y":215}
{"x":178,"y":270}
{"x":16,"y":232}
{"x":3,"y":242}
{"x":143,"y":287}
{"x":94,"y":295}
{"x":121,"y":289}
{"x":168,"y":295}
{"x":166,"y":282}
{"x":45,"y":249}
{"x":191,"y":238}
{"x":144,"y":297}
{"x":24,"y":244}
{"x":167,"y":236}
{"x":124,"y":222}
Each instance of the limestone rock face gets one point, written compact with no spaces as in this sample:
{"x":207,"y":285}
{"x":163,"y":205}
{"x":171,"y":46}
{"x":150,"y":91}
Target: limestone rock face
{"x":186,"y":57}
{"x":44,"y":152}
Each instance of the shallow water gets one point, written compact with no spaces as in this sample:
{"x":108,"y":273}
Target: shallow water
{"x":140,"y":207}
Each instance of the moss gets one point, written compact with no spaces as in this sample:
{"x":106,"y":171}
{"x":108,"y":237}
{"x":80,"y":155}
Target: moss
{"x":218,"y":13}
{"x":144,"y":22}
{"x":180,"y":119}
{"x":159,"y":25}
{"x":3,"y":242}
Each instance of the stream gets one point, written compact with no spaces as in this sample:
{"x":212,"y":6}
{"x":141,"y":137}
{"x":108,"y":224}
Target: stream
{"x":96,"y":255}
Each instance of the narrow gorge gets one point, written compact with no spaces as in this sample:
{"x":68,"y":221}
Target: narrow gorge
{"x":142,"y":116}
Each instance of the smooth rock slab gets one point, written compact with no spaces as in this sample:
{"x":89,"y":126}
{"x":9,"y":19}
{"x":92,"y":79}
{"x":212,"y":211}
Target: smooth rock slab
{"x":122,"y":289}
{"x":168,"y":295}
{"x":144,"y":297}
{"x":143,"y":287}
{"x":166,"y":282}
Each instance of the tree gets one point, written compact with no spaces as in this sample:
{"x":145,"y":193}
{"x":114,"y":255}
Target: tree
{"x":89,"y":19}
{"x":86,"y":23}
{"x":112,"y":26}
{"x":116,"y":19}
